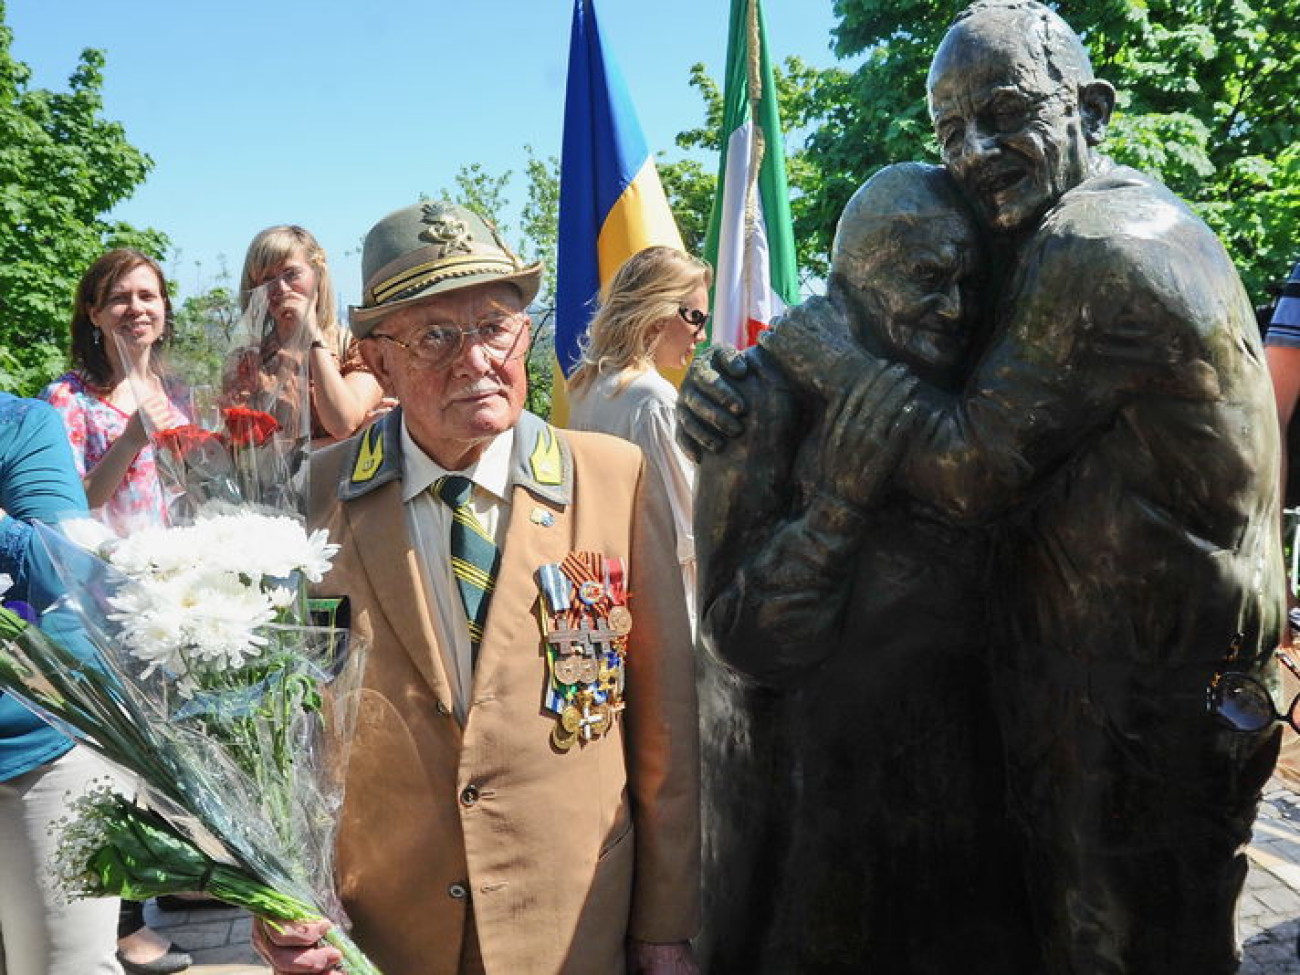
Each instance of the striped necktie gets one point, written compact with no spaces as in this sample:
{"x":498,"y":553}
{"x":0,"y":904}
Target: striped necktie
{"x":474,"y":556}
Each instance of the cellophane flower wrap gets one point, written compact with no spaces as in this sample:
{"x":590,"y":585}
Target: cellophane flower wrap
{"x":185,"y":655}
{"x":241,"y":429}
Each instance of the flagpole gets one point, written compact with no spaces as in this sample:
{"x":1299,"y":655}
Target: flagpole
{"x":757,"y":146}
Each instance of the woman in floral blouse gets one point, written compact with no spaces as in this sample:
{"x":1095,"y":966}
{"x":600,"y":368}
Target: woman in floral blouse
{"x":114,"y":394}
{"x":109,"y":401}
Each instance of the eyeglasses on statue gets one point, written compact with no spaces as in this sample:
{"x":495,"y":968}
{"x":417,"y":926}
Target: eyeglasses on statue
{"x":501,"y":336}
{"x":1243,"y":703}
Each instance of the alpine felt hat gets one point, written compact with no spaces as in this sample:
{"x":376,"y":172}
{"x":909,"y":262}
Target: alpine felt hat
{"x":429,"y":249}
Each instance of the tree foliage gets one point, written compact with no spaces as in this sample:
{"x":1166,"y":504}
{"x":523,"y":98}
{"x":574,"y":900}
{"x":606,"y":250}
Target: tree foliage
{"x":1207,"y":103}
{"x":63,"y":167}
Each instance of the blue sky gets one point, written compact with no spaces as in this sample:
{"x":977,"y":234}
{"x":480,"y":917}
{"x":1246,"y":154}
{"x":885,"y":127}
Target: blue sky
{"x":334,"y":112}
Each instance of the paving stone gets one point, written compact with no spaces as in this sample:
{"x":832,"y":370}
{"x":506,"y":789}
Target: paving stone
{"x":1268,"y":916}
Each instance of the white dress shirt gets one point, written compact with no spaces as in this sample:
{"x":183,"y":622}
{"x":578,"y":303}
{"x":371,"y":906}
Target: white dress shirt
{"x":428,"y":519}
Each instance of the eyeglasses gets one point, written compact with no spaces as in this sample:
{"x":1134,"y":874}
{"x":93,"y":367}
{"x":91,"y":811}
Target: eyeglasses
{"x":439,"y":346}
{"x":290,"y":276}
{"x":693,"y":317}
{"x":1244,"y":704}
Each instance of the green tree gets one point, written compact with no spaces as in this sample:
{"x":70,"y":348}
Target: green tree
{"x":204,"y":329}
{"x":62,"y":169}
{"x":1207,"y":104}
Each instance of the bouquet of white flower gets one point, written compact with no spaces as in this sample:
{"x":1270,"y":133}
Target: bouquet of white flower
{"x":183,"y":655}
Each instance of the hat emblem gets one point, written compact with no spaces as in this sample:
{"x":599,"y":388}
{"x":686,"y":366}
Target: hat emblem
{"x":445,"y":228}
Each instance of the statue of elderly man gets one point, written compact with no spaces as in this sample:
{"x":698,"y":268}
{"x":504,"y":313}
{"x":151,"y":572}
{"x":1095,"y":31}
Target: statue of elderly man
{"x":1117,"y":436}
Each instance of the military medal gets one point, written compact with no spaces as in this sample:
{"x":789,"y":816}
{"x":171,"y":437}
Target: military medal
{"x":585,"y":625}
{"x":562,"y":740}
{"x":620,"y":620}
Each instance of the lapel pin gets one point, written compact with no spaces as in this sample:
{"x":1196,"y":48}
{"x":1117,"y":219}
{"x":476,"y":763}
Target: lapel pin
{"x":542,"y":517}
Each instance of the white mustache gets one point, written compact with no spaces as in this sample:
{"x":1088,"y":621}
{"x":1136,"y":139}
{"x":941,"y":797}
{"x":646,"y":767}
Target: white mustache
{"x":479,"y":388}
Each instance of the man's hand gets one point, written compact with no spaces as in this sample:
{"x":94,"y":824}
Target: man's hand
{"x":710,"y":408}
{"x":295,"y":948}
{"x":866,"y":431}
{"x":644,"y":958}
{"x":815,"y":347}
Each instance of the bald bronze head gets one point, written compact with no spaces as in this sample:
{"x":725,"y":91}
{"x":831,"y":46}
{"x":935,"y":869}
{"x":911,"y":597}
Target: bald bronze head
{"x":905,"y":259}
{"x":1016,"y":110}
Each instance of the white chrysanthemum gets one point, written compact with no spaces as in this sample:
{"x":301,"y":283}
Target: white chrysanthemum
{"x":223,"y":625}
{"x":280,"y":597}
{"x":256,"y":545}
{"x":284,"y":548}
{"x":199,"y":594}
{"x":197,"y":621}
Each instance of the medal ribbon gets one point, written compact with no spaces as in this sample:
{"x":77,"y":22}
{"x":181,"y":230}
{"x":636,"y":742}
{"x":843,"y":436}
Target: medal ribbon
{"x":616,"y":581}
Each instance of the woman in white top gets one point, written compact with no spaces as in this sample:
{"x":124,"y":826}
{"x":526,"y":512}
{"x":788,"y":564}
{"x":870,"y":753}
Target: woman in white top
{"x":652,"y":315}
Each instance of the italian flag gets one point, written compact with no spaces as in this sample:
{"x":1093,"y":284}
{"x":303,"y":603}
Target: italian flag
{"x":750,"y":242}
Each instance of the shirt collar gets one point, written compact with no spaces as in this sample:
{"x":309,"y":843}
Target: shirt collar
{"x":491,"y":471}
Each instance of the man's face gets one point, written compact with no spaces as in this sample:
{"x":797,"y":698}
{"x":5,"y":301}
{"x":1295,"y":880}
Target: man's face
{"x":916,"y":284}
{"x":453,"y":411}
{"x":1011,"y":136}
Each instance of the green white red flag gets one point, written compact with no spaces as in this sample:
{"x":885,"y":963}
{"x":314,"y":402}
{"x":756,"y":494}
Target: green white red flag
{"x":750,"y":242}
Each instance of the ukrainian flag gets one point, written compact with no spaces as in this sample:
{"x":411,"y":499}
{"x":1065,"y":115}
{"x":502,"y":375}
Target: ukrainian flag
{"x":611,"y":201}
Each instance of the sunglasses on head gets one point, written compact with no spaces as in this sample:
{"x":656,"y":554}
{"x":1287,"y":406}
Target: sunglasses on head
{"x":694,"y":317}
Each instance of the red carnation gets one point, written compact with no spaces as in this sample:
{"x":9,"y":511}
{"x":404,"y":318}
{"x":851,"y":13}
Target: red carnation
{"x":249,"y":427}
{"x":187,"y":441}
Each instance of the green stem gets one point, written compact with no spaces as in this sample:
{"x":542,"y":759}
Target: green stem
{"x":233,"y":887}
{"x":354,"y":960}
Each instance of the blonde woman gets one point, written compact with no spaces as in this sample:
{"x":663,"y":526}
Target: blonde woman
{"x":290,"y":264}
{"x":652,"y":314}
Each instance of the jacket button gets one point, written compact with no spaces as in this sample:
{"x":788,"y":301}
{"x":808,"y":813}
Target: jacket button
{"x":457,"y":892}
{"x":469,"y":795}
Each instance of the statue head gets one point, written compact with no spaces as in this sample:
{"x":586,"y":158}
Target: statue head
{"x":905,"y":259}
{"x":1016,"y":110}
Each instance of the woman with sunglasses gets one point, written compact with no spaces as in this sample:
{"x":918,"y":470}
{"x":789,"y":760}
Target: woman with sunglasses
{"x":652,"y":314}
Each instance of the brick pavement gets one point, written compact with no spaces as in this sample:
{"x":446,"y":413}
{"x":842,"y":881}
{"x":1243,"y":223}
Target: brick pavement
{"x":1269,"y":916}
{"x":217,"y":939}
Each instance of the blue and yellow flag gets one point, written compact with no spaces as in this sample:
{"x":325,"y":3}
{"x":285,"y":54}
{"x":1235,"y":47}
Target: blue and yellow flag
{"x":611,"y":201}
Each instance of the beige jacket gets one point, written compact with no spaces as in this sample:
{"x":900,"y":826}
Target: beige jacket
{"x":564,"y":854}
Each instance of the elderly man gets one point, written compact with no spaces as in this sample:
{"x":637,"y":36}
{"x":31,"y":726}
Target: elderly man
{"x":1119,"y":432}
{"x":522,"y":792}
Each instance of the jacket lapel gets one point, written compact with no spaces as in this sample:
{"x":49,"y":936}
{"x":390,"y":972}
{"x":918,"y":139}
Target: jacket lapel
{"x":371,"y":485}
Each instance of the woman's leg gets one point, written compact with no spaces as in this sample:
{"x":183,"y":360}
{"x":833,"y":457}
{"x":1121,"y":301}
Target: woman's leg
{"x":41,"y":933}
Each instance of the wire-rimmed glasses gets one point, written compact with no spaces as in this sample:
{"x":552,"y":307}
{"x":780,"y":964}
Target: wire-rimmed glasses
{"x":440,"y":345}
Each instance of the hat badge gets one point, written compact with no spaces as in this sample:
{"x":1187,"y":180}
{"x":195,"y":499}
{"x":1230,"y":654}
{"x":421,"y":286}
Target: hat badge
{"x":445,"y":228}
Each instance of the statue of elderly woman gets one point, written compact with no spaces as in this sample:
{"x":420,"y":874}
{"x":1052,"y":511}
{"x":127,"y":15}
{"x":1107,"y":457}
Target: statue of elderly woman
{"x":1011,"y":578}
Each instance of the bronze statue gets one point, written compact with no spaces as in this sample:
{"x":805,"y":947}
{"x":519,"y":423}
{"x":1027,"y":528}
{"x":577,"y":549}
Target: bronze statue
{"x":842,"y":819}
{"x":1115,"y":438}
